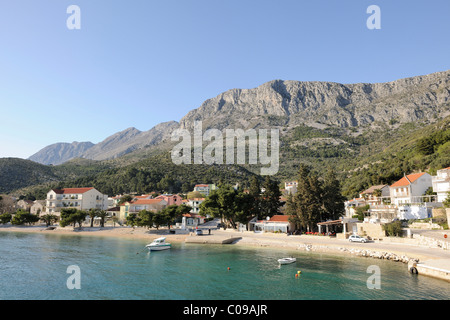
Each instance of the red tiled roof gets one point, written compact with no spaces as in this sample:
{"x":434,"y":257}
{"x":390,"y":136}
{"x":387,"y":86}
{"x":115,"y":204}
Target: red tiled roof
{"x":147,"y":201}
{"x":404,"y":181}
{"x":280,"y":218}
{"x":72,"y":190}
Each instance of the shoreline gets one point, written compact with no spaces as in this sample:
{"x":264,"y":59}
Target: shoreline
{"x":395,"y":252}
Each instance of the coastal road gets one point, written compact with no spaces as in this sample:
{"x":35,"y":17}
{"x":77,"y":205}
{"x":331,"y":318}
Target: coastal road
{"x":281,"y":240}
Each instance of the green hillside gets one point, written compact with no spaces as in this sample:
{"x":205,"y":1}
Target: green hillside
{"x":361,"y":157}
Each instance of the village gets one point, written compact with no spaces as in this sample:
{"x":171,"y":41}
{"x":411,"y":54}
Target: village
{"x":416,"y":198}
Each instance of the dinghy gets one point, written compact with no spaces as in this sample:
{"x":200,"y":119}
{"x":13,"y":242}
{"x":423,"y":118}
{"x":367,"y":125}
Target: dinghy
{"x":287,"y":260}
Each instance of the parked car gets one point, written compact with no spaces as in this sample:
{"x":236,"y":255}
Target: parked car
{"x":198,"y":232}
{"x":356,"y":238}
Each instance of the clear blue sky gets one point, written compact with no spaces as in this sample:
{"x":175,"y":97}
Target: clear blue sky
{"x":137,"y":63}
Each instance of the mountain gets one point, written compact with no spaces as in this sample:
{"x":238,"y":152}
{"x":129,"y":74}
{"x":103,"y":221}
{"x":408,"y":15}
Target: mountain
{"x":368,"y":133}
{"x":287,"y":104}
{"x":114,"y":146}
{"x":60,"y":152}
{"x":129,"y":140}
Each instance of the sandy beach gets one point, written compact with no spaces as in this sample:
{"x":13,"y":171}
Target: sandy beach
{"x":266,"y":240}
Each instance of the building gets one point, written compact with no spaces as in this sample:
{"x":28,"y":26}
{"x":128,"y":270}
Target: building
{"x":205,"y":189}
{"x":136,"y":206}
{"x":195,"y":205}
{"x":38,"y":207}
{"x":351,"y":205}
{"x":376,"y":194}
{"x":291,"y":186}
{"x":171,"y":199}
{"x":410,"y":189}
{"x":24,"y":204}
{"x":78,"y":198}
{"x":441,"y":184}
{"x":276,"y":224}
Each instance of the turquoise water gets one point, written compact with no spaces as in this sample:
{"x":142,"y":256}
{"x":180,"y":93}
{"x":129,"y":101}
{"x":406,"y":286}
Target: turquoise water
{"x":34,"y":266}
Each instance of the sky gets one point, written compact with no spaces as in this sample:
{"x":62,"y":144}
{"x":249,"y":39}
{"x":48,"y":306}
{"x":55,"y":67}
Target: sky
{"x":138,"y":63}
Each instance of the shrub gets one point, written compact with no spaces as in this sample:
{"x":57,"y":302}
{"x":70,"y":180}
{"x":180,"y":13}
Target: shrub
{"x":393,"y":229}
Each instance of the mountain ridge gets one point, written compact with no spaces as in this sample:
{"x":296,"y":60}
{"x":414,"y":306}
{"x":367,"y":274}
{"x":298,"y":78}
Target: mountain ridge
{"x":287,"y":104}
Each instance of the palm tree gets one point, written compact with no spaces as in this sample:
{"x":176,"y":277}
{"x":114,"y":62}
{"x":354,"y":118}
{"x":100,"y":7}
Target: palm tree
{"x":92,"y":214}
{"x":49,"y":219}
{"x":102,"y":214}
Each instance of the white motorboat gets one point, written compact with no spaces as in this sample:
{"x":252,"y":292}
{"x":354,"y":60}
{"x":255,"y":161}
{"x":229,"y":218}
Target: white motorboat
{"x":158,"y":245}
{"x":287,"y":260}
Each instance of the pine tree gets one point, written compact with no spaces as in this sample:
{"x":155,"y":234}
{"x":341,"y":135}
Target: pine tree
{"x":306,"y":204}
{"x":332,"y":198}
{"x":270,"y":202}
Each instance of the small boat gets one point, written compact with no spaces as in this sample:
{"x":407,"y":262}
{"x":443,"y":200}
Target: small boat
{"x":286,"y":260}
{"x":158,"y":245}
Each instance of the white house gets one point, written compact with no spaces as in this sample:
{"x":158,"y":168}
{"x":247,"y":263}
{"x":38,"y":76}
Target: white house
{"x":291,"y":186}
{"x":441,"y":184}
{"x":205,"y":189}
{"x":78,"y":198}
{"x":195,"y":205}
{"x":410,"y":189}
{"x":371,"y":195}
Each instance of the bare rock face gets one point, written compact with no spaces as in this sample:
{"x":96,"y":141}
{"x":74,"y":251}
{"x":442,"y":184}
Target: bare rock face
{"x":283,"y":104}
{"x":114,"y":146}
{"x":129,"y":140}
{"x":60,"y":152}
{"x":290,"y":103}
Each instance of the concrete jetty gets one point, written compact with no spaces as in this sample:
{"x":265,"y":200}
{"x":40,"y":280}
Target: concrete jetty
{"x":211,"y":239}
{"x":438,"y":268}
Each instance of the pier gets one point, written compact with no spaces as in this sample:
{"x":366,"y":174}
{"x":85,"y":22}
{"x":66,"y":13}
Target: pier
{"x":212,"y":239}
{"x":438,"y":268}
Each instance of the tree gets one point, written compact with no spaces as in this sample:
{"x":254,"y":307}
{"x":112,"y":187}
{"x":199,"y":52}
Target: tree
{"x":361,"y":212}
{"x":125,"y":198}
{"x":159,"y":219}
{"x":92,"y":213}
{"x":255,"y":193}
{"x":49,"y":219}
{"x":102,"y":214}
{"x":72,"y":215}
{"x":115,"y":219}
{"x":171,"y":213}
{"x":332,"y":198}
{"x":270,"y":201}
{"x":393,"y":228}
{"x":306,"y":205}
{"x":144,"y":218}
{"x":132,"y":220}
{"x":194,"y":195}
{"x":7,"y":204}
{"x":5,"y":218}
{"x":227,"y":204}
{"x":23,"y":217}
{"x":446,"y":202}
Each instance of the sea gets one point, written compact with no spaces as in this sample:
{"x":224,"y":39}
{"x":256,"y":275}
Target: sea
{"x":62,"y":267}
